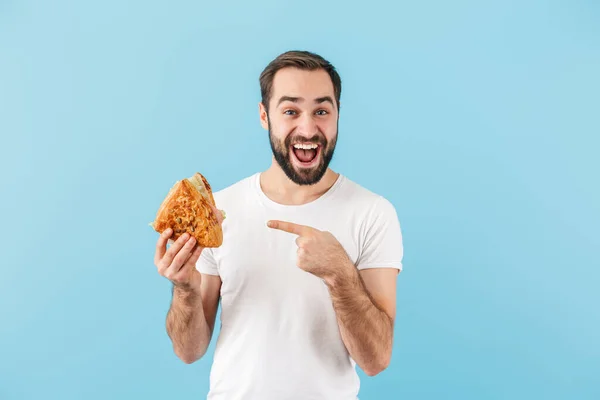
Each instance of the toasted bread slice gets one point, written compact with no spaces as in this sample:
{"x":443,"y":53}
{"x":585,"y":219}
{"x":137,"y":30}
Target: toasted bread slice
{"x":187,"y":208}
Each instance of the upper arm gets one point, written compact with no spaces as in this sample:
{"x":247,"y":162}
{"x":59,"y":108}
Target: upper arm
{"x":381,"y":237}
{"x":380,"y":284}
{"x":382,"y":255}
{"x":210,"y":291}
{"x":210,"y":286}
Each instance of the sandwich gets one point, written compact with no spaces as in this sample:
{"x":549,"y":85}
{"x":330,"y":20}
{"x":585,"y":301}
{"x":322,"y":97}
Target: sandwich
{"x":190,"y":207}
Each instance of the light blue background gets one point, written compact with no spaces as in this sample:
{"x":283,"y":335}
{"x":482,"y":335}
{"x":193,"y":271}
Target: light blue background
{"x":478,"y":120}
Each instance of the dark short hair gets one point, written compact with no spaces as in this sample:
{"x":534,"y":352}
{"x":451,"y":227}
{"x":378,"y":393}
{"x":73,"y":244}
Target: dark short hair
{"x":304,"y":60}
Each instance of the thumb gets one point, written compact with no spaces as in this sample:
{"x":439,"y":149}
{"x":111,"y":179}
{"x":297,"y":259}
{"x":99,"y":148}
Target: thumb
{"x":218,"y":213}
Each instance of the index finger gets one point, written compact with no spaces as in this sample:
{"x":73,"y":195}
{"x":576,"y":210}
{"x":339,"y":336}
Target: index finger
{"x":161,"y":244}
{"x":290,"y":227}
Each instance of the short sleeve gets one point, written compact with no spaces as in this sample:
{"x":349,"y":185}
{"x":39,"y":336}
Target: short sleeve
{"x":206,"y":263}
{"x":382,"y":238}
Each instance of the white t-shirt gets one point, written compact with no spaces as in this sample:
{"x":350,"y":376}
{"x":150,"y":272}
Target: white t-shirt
{"x":279,"y":337}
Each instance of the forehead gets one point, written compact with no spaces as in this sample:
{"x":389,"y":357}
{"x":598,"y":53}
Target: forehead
{"x":300,"y":83}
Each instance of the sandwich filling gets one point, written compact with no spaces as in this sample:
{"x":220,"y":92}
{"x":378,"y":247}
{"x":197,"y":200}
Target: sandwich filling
{"x":197,"y":182}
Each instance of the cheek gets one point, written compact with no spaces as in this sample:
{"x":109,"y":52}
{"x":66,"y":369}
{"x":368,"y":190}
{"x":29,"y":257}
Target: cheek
{"x":281,"y":129}
{"x":329,"y":129}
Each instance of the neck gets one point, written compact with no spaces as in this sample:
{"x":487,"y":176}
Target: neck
{"x":279,"y":188}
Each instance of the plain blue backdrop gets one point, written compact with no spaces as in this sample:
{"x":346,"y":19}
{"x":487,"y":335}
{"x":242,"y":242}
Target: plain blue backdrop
{"x":479,"y":121}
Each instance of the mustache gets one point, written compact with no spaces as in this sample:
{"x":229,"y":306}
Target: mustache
{"x":316,"y":139}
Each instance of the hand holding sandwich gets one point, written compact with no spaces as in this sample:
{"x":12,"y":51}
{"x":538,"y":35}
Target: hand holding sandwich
{"x":178,"y":263}
{"x":189,"y":220}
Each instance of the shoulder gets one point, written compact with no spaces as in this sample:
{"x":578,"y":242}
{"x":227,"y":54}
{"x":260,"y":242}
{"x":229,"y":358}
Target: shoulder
{"x":232,"y":193}
{"x":372,"y":202}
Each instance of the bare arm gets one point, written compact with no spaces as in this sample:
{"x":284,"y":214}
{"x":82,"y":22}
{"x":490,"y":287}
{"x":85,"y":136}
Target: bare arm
{"x":365,"y":307}
{"x":191,"y":318}
{"x":364,"y":302}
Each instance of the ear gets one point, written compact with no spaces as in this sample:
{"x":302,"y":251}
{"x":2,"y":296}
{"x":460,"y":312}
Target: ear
{"x":262,"y":111}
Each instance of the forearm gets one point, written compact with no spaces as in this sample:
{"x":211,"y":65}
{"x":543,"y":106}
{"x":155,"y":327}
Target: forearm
{"x":187,"y":326}
{"x":366,"y":330}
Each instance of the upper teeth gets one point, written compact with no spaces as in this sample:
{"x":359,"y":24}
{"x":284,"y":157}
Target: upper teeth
{"x":305,"y":146}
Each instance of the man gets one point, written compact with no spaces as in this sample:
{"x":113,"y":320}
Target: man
{"x":306,"y":275}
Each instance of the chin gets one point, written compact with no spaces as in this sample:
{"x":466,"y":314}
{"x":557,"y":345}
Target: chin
{"x":303,"y":175}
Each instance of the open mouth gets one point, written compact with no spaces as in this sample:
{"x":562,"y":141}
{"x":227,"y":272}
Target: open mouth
{"x":306,"y":154}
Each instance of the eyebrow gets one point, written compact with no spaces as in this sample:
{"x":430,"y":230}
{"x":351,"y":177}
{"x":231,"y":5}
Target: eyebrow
{"x":318,"y":100}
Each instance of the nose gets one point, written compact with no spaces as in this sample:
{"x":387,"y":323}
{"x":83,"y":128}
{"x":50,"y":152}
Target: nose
{"x":307,"y":126}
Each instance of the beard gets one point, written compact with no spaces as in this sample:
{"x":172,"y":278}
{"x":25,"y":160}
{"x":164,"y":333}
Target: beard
{"x":303,"y":176}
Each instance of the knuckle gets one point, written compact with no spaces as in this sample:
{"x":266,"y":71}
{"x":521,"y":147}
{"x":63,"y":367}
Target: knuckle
{"x":170,"y":255}
{"x":171,"y":275}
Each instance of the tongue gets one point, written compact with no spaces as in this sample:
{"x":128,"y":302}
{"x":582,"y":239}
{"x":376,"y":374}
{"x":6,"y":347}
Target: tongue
{"x":305,"y":155}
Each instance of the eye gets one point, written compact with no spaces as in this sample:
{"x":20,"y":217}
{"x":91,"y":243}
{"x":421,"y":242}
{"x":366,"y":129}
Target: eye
{"x":322,"y":112}
{"x":289,"y":112}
